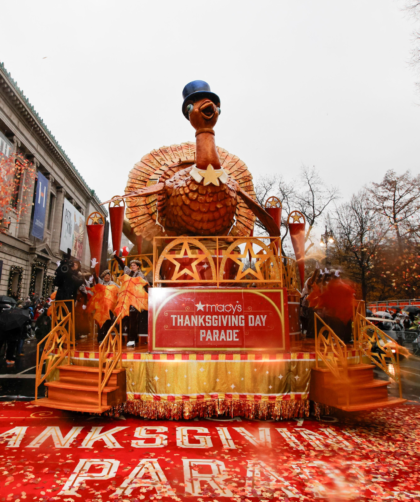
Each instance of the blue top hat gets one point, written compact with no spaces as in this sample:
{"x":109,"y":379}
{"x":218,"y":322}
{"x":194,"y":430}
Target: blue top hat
{"x":195,"y":90}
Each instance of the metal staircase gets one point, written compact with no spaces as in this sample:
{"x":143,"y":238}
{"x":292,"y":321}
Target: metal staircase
{"x":79,"y":388}
{"x":352,"y":387}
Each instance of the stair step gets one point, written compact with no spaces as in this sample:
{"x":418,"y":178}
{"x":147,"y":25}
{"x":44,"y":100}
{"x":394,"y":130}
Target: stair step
{"x":351,"y":367}
{"x":80,"y":381}
{"x":391,"y":401}
{"x":373,"y":384}
{"x":358,"y":385}
{"x":77,"y":386}
{"x":60,"y":405}
{"x":86,"y":369}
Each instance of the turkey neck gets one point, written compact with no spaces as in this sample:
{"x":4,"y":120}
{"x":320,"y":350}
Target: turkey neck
{"x":206,"y":151}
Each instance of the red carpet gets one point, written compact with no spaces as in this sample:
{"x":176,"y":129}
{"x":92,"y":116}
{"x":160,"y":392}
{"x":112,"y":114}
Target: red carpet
{"x":53,"y":455}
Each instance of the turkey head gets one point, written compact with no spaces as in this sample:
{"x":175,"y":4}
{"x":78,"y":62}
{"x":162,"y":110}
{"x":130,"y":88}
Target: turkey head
{"x":201,"y":200}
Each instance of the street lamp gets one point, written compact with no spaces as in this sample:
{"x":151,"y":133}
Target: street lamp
{"x":326,"y":238}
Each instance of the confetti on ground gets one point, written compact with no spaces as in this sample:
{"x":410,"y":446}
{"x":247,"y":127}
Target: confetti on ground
{"x":48,"y":455}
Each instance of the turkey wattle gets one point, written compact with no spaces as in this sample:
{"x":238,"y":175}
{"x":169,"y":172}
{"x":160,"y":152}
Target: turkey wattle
{"x":200,"y":199}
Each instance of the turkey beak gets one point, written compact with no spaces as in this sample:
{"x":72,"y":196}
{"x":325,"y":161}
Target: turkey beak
{"x":208,"y":110}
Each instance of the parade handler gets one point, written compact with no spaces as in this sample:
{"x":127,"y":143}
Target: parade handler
{"x":104,"y":301}
{"x":132,"y":300}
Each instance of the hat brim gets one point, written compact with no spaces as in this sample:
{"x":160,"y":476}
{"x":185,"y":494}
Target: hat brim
{"x":195,"y":96}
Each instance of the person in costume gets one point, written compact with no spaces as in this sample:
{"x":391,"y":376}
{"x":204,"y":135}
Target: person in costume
{"x":132,"y":300}
{"x":104,"y":300}
{"x":332,"y":298}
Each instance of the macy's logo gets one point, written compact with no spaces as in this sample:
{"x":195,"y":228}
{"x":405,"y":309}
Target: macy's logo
{"x":218,"y":307}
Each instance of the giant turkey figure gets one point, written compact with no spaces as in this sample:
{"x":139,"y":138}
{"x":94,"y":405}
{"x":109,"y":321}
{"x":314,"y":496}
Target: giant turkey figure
{"x":201,"y":199}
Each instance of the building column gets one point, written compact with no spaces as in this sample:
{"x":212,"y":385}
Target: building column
{"x":58,"y":216}
{"x":25,"y":204}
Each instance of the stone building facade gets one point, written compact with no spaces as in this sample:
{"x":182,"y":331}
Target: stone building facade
{"x":28,"y":263}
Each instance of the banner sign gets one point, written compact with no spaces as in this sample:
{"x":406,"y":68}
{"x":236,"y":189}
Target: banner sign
{"x":72,"y":230}
{"x":213,"y":319}
{"x":40,"y":205}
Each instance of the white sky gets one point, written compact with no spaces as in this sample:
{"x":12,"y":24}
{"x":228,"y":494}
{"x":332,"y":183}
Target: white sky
{"x":324,"y":83}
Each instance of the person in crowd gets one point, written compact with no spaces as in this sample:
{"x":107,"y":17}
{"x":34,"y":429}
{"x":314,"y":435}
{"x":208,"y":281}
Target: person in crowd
{"x":68,"y":278}
{"x":105,"y":296}
{"x":306,"y":312}
{"x":135,"y":308}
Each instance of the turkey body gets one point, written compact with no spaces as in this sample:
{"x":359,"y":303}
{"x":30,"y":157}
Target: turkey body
{"x":188,"y":207}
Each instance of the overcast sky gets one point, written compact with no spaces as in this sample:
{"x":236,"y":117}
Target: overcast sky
{"x":322,"y":83}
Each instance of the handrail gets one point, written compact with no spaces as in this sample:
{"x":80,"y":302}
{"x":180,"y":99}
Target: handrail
{"x":333,"y":352}
{"x":290,"y":273}
{"x":60,"y":309}
{"x":217,"y":260}
{"x":111,"y":345}
{"x":359,"y":307}
{"x":54,"y":343}
{"x":370,"y":336}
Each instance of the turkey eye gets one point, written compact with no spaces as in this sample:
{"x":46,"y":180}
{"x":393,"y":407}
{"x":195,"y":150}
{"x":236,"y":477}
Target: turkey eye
{"x":190,"y":108}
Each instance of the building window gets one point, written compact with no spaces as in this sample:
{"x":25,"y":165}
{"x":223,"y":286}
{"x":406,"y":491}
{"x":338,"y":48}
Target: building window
{"x":14,"y":288}
{"x":51,"y":211}
{"x":37,"y":282}
{"x":5,"y":146}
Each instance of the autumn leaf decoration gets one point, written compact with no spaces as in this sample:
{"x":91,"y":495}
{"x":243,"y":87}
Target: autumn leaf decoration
{"x":131,"y":293}
{"x":104,"y":300}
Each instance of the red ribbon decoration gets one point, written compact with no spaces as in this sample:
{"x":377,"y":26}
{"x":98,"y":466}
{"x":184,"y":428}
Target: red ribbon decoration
{"x":116,"y":219}
{"x":297,"y":234}
{"x":95,"y":230}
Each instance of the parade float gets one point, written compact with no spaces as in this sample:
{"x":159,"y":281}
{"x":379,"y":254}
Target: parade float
{"x":224,"y":330}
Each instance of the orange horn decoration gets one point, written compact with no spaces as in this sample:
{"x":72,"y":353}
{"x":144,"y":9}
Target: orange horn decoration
{"x":273,"y":207}
{"x":116,"y":219}
{"x":95,"y":230}
{"x":297,"y":223}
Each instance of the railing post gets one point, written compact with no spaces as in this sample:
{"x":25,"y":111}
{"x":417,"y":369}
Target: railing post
{"x":316,"y":342}
{"x":100,"y":375}
{"x":399,"y":374}
{"x":36,"y":372}
{"x":217,"y":261}
{"x":120,"y":346}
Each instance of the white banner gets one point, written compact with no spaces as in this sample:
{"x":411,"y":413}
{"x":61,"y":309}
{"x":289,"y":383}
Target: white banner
{"x":72,"y":230}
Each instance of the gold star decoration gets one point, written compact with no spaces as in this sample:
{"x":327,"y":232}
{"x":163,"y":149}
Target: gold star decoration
{"x":261,"y":257}
{"x":296,"y":216}
{"x":184,"y":253}
{"x":96,"y":219}
{"x":273,"y":202}
{"x":211,"y":175}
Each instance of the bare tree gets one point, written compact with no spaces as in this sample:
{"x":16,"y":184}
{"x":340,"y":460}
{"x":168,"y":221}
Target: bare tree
{"x":275,"y":185}
{"x":307,"y":194}
{"x":412,"y":8}
{"x":359,"y":232}
{"x":397,"y":199}
{"x":312,"y":198}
